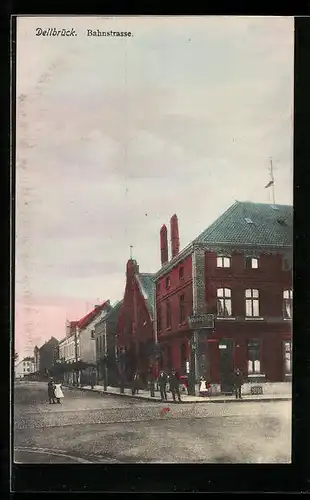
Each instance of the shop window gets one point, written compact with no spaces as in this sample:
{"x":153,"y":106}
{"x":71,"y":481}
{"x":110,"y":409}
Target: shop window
{"x":287,"y":303}
{"x":254,"y":357}
{"x":224,"y":308}
{"x":287,"y":358}
{"x":251,"y":303}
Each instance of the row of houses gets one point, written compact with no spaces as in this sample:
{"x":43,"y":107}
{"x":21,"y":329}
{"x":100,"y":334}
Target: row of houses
{"x":223,"y":301}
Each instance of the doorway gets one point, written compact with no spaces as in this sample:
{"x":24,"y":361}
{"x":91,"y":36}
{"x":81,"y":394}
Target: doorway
{"x":227,"y":348}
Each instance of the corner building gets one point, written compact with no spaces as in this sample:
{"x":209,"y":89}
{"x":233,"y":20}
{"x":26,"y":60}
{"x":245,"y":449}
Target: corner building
{"x":225,"y":301}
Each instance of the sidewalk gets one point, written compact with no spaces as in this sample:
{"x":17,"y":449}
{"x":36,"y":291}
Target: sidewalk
{"x":145,"y":395}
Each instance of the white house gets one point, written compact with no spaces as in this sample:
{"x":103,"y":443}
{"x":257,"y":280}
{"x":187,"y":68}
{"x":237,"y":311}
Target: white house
{"x":24,"y":367}
{"x":86,"y":329}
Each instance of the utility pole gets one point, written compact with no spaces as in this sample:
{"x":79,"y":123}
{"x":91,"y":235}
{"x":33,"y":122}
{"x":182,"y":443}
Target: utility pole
{"x":272,"y":182}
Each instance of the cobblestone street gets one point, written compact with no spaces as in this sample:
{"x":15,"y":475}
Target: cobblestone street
{"x":89,"y":427}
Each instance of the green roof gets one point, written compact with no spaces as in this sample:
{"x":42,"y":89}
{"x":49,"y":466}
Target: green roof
{"x":248,"y":223}
{"x":147,"y":282}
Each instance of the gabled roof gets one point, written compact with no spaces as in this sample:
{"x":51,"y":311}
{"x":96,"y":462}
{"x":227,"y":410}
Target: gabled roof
{"x":88,"y":318}
{"x":250,"y":223}
{"x":147,"y":286}
{"x":244,"y":223}
{"x":115,"y":308}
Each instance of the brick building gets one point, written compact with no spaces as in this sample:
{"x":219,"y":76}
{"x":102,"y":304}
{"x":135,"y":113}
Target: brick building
{"x":136,"y":332}
{"x":226,"y":299}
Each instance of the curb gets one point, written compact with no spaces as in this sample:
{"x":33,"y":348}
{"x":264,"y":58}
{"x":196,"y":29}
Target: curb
{"x":158,"y":400}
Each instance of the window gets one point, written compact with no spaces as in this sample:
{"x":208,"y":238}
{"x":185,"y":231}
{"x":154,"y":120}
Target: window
{"x":248,"y":220}
{"x":251,"y":262}
{"x":159,"y":318}
{"x":287,"y":303}
{"x":224,"y":302}
{"x":251,"y":303}
{"x":168,"y":315}
{"x":168,"y":282}
{"x":182,"y":308}
{"x":287,"y":358}
{"x":223,"y":261}
{"x":92,"y":334}
{"x":97,"y":345}
{"x":158,"y":287}
{"x":254,"y":355}
{"x":181,"y":273}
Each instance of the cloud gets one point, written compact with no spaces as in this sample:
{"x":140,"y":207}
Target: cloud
{"x":114,"y":137}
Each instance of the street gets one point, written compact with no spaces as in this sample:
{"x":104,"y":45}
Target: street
{"x":89,"y":427}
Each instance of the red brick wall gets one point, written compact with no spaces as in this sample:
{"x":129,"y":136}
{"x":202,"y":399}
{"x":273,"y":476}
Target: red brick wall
{"x":177,"y":288}
{"x":269,"y":279}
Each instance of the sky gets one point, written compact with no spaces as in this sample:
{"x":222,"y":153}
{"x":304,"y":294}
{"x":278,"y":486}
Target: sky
{"x":115,"y":135}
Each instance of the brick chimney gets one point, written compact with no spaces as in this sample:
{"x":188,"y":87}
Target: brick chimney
{"x":175,"y":240}
{"x":163,"y":245}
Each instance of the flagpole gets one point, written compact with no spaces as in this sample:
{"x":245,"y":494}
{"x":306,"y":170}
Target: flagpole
{"x":272,"y":180}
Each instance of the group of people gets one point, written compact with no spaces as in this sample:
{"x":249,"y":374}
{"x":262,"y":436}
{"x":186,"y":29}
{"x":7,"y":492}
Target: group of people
{"x":163,"y":380}
{"x":54,"y":392}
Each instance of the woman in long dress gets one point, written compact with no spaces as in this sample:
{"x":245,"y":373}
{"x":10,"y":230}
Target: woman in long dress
{"x":58,"y":392}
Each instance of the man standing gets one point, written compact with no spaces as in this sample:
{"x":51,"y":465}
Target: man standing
{"x":162,"y":382}
{"x":50,"y":391}
{"x":175,"y":385}
{"x":238,"y":383}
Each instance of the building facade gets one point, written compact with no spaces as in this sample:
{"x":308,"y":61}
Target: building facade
{"x":105,"y":344}
{"x":225,"y":301}
{"x":46,"y":356}
{"x":86,"y":334}
{"x":69,"y":353}
{"x":136,"y":329}
{"x":24,"y":367}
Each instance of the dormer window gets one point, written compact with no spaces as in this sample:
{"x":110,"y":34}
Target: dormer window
{"x":168,"y":282}
{"x":223,"y":261}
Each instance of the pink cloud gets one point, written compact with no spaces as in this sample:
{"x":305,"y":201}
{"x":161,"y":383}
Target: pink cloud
{"x":39,"y":318}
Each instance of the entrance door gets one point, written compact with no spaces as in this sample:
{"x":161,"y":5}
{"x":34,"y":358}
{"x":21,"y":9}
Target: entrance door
{"x":226,"y":347}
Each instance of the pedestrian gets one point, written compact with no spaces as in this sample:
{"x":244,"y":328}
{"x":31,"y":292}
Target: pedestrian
{"x":93,"y":379}
{"x":203,"y":388}
{"x":151,"y":382}
{"x":162,"y":383}
{"x":238,"y":382}
{"x":174,"y":381}
{"x":58,"y":393}
{"x":50,"y":391}
{"x":135,"y":383}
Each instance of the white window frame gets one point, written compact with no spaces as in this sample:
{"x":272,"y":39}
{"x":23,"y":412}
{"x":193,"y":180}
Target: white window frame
{"x":224,"y":299}
{"x":223,"y":261}
{"x":287,"y":303}
{"x":252,"y":299}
